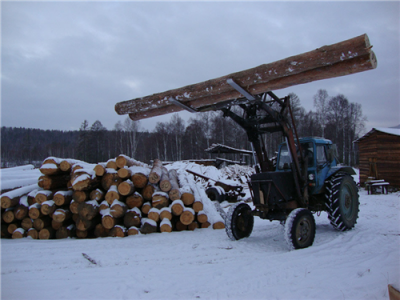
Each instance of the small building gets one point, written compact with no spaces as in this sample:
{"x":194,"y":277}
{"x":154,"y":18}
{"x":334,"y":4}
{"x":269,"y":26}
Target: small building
{"x":379,"y":154}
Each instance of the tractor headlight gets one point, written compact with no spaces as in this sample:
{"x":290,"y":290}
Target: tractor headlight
{"x":311,"y":176}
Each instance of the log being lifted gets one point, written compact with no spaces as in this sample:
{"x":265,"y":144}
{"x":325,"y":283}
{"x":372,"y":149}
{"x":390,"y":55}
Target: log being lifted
{"x":340,"y":59}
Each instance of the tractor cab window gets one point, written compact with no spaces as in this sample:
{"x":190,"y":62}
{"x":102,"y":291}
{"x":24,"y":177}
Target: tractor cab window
{"x":321,"y":157}
{"x":284,"y":158}
{"x":308,"y":153}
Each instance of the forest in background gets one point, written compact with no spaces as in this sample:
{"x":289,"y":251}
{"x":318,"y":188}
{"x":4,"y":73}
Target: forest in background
{"x":334,"y":118}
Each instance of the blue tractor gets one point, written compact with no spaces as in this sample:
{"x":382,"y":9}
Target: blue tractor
{"x":307,"y":177}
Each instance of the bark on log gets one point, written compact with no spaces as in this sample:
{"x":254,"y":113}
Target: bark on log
{"x":41,"y":223}
{"x":20,"y":212}
{"x":148,"y":226}
{"x":126,"y":188}
{"x":205,"y":224}
{"x":62,"y":198}
{"x":4,"y":233}
{"x":50,"y":169}
{"x":83,"y":225}
{"x":160,"y":200}
{"x":110,"y":178}
{"x":187,"y":216}
{"x":135,"y":200}
{"x":156,"y":171}
{"x":65,"y":232}
{"x":194,"y":225}
{"x":53,"y":182}
{"x":33,"y":233}
{"x":73,"y":207}
{"x":179,"y":226}
{"x":11,"y":198}
{"x":100,"y":231}
{"x":47,"y":233}
{"x":84,"y":180}
{"x":97,"y":195}
{"x":218,"y":90}
{"x":132,"y":217}
{"x":88,"y":210}
{"x":118,"y":209}
{"x":104,"y":205}
{"x":43,"y":196}
{"x":177,"y":207}
{"x":80,"y":196}
{"x":140,"y":176}
{"x":148,"y":192}
{"x":165,"y":184}
{"x":123,"y":160}
{"x":117,"y":231}
{"x":7,"y":202}
{"x":19,"y":233}
{"x":175,"y":192}
{"x":133,"y":231}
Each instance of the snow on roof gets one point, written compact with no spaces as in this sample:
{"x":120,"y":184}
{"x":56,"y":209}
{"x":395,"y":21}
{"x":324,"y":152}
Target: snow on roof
{"x":393,"y":131}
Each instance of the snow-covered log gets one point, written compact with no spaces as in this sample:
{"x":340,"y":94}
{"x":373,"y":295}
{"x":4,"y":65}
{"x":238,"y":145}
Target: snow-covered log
{"x":148,"y":226}
{"x":118,"y":209}
{"x":112,"y":164}
{"x":73,"y":207}
{"x":32,"y":233}
{"x":110,"y":178}
{"x":174,"y":192}
{"x":165,"y":213}
{"x":65,"y":232}
{"x":165,"y":184}
{"x":154,"y":214}
{"x":100,"y":231}
{"x":88,"y":210}
{"x":108,"y":220}
{"x":48,"y":207}
{"x":47,"y":233}
{"x":43,"y":196}
{"x":160,"y":200}
{"x":80,"y":196}
{"x":19,"y":233}
{"x":134,"y":200}
{"x":123,"y":160}
{"x":339,"y":59}
{"x":42,"y":222}
{"x":146,"y":208}
{"x":124,"y":173}
{"x":132,"y":217}
{"x":8,"y":215}
{"x":34,"y":211}
{"x":118,"y":231}
{"x":148,"y":191}
{"x":133,"y":230}
{"x":126,"y":188}
{"x":177,"y":207}
{"x":53,"y":182}
{"x":156,"y":171}
{"x":112,"y":194}
{"x":84,"y":180}
{"x":60,"y":215}
{"x":63,"y":197}
{"x":187,"y":216}
{"x":165,"y":225}
{"x":27,"y":223}
{"x":12,"y":198}
{"x":140,"y":176}
{"x":202,"y":217}
{"x":100,"y":169}
{"x":97,"y":195}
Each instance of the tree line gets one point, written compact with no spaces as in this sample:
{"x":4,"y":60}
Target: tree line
{"x":334,"y":118}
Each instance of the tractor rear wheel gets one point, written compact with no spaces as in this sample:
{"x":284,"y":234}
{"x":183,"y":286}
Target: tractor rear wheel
{"x":342,"y":201}
{"x":239,"y":221}
{"x":300,"y":229}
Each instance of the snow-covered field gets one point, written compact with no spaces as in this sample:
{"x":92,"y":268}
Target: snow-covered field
{"x":205,"y":264}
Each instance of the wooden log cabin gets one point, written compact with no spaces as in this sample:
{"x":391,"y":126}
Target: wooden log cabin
{"x":379,"y":152}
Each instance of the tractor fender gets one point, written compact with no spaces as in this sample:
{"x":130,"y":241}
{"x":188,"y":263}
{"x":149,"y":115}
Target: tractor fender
{"x":345,"y":169}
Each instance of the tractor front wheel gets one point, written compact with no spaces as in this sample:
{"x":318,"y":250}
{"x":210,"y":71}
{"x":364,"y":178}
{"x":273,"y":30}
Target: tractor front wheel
{"x":342,"y":201}
{"x":239,"y":221}
{"x":300,"y":229}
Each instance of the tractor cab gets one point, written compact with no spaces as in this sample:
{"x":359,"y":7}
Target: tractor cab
{"x":319,"y":154}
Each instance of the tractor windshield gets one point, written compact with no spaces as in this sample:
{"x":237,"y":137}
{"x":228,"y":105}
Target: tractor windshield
{"x":284,"y":156}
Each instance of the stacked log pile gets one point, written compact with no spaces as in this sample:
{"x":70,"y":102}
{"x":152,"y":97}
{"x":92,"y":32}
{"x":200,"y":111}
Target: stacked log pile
{"x":120,"y":197}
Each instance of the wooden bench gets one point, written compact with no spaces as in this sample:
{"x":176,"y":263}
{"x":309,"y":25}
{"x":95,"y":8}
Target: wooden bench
{"x":373,"y":184}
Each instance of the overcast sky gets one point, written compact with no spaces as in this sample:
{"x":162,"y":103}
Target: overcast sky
{"x":66,"y":62}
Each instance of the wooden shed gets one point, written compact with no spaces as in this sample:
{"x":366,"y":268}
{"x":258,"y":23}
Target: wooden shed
{"x":379,"y":152}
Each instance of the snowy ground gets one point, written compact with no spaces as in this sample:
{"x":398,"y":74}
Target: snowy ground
{"x":205,"y":264}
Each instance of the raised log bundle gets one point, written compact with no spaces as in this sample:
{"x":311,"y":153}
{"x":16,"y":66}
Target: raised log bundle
{"x":77,"y":202}
{"x":340,"y":59}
